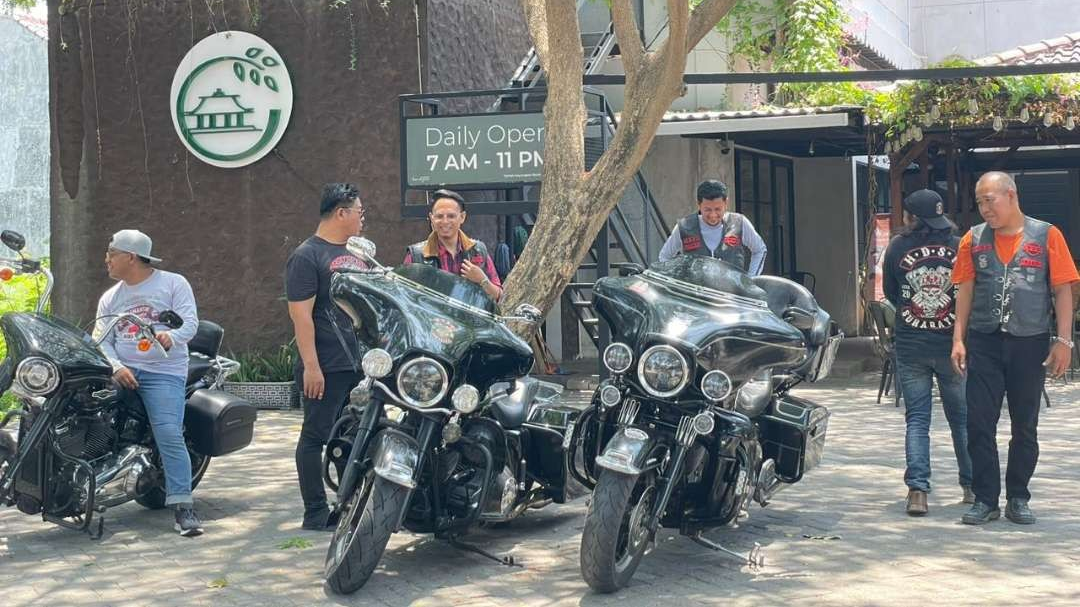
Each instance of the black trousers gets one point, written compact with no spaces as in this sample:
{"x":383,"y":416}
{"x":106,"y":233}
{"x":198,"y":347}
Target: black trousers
{"x":319,"y":418}
{"x":1000,"y":365}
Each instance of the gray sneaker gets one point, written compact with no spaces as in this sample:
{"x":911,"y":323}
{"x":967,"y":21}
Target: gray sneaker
{"x":980,"y":514}
{"x":187,"y":522}
{"x":1017,"y":511}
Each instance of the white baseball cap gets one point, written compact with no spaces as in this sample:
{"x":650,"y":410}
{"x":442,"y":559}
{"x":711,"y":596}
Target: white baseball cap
{"x":133,"y":241}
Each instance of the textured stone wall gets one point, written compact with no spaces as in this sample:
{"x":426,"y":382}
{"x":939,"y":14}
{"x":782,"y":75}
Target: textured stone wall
{"x":24,"y":135}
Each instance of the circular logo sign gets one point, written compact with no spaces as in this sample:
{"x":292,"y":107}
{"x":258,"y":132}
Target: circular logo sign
{"x":231,"y":99}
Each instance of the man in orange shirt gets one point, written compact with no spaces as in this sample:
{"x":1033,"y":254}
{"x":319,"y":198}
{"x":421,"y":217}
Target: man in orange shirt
{"x":1013,"y":276}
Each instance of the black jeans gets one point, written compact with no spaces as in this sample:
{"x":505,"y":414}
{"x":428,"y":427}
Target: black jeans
{"x":319,"y":418}
{"x":1004,"y":365}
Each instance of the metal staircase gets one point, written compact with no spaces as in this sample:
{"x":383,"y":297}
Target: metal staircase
{"x":636,"y":228}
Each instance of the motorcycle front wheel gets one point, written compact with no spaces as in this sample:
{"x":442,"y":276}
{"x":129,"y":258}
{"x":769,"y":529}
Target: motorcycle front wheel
{"x":368,"y":521}
{"x":616,"y":534}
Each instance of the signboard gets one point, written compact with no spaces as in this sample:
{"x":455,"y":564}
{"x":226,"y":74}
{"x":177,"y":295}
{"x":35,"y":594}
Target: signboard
{"x":474,"y":150}
{"x":231,"y":99}
{"x":879,"y":242}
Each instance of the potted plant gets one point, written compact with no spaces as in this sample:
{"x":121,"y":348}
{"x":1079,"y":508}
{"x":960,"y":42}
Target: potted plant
{"x":265,"y":379}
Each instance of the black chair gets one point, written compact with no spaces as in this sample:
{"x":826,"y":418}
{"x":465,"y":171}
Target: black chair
{"x":883,"y":315}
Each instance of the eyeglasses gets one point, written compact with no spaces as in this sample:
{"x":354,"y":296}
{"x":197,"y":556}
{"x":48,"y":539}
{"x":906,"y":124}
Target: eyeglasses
{"x":115,"y":252}
{"x":358,"y":209}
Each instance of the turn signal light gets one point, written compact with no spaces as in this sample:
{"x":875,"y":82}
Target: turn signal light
{"x":6,"y":274}
{"x":144,"y":345}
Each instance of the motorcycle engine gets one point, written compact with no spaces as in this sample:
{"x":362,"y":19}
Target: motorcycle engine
{"x":86,"y":437}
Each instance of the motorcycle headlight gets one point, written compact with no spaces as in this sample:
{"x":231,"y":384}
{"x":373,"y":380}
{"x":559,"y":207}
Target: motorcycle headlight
{"x":377,"y":363}
{"x":465,"y":399}
{"x":663,"y":371}
{"x":618,"y":357}
{"x":422,"y":382}
{"x":36,"y":377}
{"x":716,"y":385}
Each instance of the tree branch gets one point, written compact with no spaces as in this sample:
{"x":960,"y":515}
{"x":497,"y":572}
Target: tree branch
{"x":536,"y":19}
{"x":704,"y":19}
{"x":564,"y":109}
{"x":626,"y":31}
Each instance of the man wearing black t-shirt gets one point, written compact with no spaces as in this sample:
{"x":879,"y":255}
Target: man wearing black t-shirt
{"x":328,"y":363}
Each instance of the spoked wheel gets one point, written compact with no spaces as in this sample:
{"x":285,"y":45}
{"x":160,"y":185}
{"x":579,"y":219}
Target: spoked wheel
{"x":154,"y":498}
{"x":616,"y":532}
{"x":370,"y":518}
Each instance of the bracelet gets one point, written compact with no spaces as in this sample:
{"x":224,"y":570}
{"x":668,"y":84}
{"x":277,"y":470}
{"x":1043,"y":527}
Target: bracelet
{"x":1062,"y":340}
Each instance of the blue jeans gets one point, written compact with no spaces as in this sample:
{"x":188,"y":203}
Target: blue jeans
{"x":916,"y":372}
{"x":163,"y":397}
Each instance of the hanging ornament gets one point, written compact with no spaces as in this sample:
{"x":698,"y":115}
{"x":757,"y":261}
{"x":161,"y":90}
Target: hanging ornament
{"x":973,"y":106}
{"x":918,"y":134}
{"x":999,"y":123}
{"x":1025,"y":115}
{"x":927,"y":120}
{"x":1048,"y":120}
{"x":1070,"y":123}
{"x":935,"y":112}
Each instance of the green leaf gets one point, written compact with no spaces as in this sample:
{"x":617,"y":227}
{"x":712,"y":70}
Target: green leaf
{"x":218,"y":584}
{"x":238,"y":70}
{"x":253,"y":52}
{"x":294,"y":543}
{"x":270,"y":83}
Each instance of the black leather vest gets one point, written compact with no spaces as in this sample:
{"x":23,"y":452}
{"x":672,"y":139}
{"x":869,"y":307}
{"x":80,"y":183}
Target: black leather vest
{"x":1016,"y":297}
{"x":731,"y":249}
{"x":478,"y":254}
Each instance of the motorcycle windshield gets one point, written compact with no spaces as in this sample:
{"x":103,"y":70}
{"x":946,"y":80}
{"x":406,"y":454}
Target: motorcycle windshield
{"x":417,"y":309}
{"x":706,"y":307}
{"x":30,"y":334}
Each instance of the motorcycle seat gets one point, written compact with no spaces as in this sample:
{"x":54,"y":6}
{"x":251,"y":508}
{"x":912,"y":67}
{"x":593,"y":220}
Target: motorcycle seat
{"x":198,"y":365}
{"x":207,"y":339}
{"x":511,"y":409}
{"x":785,"y":297}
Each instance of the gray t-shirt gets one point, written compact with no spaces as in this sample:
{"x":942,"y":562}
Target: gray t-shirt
{"x":147,"y":300}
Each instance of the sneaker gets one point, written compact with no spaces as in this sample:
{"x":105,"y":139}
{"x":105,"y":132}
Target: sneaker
{"x":980,"y":514}
{"x":969,"y":495}
{"x":1017,"y":511}
{"x":916,"y":503}
{"x":187,"y":522}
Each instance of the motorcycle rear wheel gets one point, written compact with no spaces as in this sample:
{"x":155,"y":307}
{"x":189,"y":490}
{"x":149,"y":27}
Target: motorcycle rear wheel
{"x":154,"y":499}
{"x":615,"y":537}
{"x":361,"y":537}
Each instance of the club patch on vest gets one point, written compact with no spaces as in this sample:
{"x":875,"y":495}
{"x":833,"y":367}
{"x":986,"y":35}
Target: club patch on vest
{"x":732,"y":241}
{"x":928,"y":302}
{"x":478,"y":260}
{"x":691,"y":243}
{"x":982,"y":248}
{"x":1031,"y":263}
{"x":1033,"y":249}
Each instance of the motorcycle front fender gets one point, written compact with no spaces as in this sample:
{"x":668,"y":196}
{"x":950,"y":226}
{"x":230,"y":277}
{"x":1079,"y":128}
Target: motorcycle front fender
{"x":627,"y":452}
{"x":397,"y":458}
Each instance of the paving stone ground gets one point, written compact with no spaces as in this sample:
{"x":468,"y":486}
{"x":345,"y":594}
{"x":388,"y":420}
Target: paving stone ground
{"x":840,"y":537}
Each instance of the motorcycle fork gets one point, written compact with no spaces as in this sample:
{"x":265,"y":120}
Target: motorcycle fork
{"x":30,"y":441}
{"x":366,"y":429}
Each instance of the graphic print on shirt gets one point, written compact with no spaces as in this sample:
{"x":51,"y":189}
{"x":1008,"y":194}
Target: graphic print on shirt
{"x":129,"y":331}
{"x":347,"y":262}
{"x":929,"y":297}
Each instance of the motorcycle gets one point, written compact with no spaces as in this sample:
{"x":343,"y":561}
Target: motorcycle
{"x":445,"y":431}
{"x":696,"y":417}
{"x":83,"y":444}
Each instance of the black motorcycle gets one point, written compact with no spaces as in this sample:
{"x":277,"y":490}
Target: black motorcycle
{"x":84,"y":445}
{"x":696,"y":418}
{"x":445,"y":431}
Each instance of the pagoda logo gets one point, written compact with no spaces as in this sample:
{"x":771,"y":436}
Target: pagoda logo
{"x":231,"y":99}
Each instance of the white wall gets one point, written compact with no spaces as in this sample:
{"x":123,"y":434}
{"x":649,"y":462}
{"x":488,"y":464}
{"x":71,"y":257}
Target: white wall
{"x":977,"y":28}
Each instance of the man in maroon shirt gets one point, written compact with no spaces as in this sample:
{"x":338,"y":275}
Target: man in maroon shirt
{"x":449,"y":249}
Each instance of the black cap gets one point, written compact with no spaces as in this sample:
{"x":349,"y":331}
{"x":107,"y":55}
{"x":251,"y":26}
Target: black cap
{"x":927,"y":205}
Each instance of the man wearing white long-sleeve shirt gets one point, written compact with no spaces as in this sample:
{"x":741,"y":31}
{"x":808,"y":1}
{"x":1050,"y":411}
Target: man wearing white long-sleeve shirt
{"x":159,"y":378}
{"x":715,"y":232}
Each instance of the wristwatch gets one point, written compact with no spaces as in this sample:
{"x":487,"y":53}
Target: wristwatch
{"x":1062,"y":340}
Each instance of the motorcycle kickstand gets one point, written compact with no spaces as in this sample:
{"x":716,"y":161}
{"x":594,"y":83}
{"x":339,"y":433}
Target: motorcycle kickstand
{"x":754,"y":559}
{"x":507,"y":560}
{"x":100,"y":524}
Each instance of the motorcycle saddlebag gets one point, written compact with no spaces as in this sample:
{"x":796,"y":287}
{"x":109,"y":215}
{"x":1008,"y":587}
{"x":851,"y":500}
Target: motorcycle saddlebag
{"x":219,"y":423}
{"x":793,"y":435}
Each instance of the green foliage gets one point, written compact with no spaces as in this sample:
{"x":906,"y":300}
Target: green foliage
{"x":294,"y":543}
{"x":261,"y":366}
{"x":18,"y":3}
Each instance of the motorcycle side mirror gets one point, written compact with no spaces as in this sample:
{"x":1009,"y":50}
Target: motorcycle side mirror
{"x":529,"y":312}
{"x":362,"y":248}
{"x":170,"y":319}
{"x":630,"y":269}
{"x":13,"y":240}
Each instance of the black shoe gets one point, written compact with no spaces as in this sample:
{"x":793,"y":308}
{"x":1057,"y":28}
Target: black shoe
{"x":187,"y":522}
{"x":325,"y":520}
{"x":980,"y":514}
{"x":1017,"y":511}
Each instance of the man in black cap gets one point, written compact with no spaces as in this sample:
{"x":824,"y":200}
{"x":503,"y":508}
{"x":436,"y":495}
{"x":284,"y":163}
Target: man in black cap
{"x":918,"y":281}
